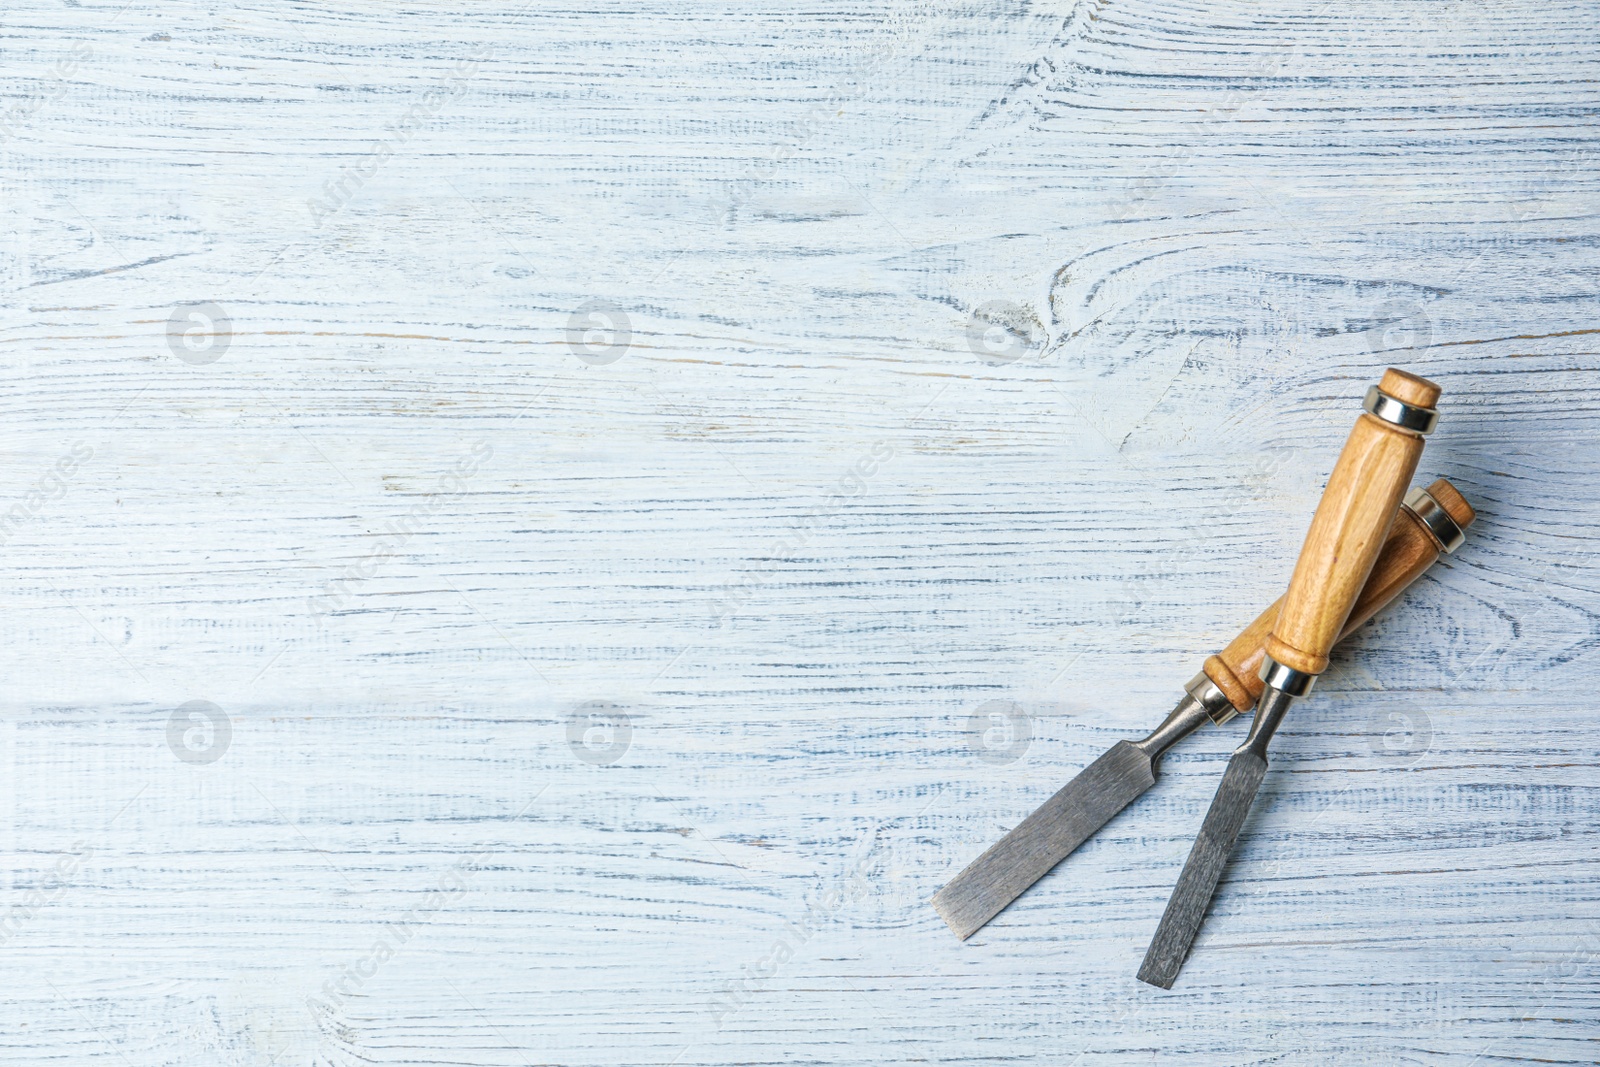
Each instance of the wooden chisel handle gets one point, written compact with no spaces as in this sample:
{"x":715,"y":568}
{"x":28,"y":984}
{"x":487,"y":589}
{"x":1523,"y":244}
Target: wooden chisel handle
{"x":1420,"y":533}
{"x":1357,"y":508}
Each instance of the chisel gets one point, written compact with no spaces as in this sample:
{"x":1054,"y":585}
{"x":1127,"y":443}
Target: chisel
{"x":1357,"y":508}
{"x":1431,"y":520}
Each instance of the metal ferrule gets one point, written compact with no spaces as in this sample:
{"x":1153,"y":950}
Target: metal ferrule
{"x":1211,"y":698}
{"x":1286,"y":679}
{"x":1381,"y":405}
{"x":1435,"y":519}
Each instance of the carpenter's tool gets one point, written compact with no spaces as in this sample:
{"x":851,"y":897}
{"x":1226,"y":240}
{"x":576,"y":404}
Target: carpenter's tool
{"x":1357,"y":508}
{"x":1431,"y":521}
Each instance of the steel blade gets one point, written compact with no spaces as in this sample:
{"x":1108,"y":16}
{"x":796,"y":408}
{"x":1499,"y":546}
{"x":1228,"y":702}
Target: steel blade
{"x":1045,"y":838}
{"x":1186,"y":909}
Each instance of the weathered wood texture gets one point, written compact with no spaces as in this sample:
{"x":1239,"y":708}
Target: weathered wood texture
{"x":820,"y":554}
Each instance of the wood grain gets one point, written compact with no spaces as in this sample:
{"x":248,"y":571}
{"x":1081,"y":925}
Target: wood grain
{"x":1357,"y":508}
{"x":1407,"y":553}
{"x":408,"y":541}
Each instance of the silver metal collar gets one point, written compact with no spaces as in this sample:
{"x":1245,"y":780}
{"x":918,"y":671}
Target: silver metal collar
{"x":1211,"y":698}
{"x":1286,"y":679}
{"x":1381,"y":405}
{"x":1435,"y":519}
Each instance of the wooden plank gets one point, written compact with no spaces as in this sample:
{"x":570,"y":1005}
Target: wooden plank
{"x":982,"y":360}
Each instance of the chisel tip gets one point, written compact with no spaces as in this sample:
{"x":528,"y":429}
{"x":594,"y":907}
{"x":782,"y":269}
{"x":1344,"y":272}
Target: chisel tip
{"x":1186,"y":909}
{"x":1043,"y":839}
{"x":1152,"y":976}
{"x":962,"y":930}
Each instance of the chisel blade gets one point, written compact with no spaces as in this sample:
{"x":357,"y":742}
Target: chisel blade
{"x":1186,"y":909}
{"x":1045,"y":838}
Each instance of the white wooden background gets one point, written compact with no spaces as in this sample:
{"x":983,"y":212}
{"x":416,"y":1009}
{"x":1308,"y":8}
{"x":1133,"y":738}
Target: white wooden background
{"x":977,"y":366}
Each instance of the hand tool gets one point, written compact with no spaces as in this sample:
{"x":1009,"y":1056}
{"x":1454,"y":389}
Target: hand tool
{"x":1431,"y":520}
{"x":1357,"y":508}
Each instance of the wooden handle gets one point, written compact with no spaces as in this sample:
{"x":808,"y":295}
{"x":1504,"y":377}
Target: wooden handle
{"x":1409,"y":551}
{"x":1450,"y":498}
{"x":1358,"y":507}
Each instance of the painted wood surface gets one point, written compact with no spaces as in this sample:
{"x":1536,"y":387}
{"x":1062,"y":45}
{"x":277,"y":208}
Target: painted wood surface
{"x":542,"y":534}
